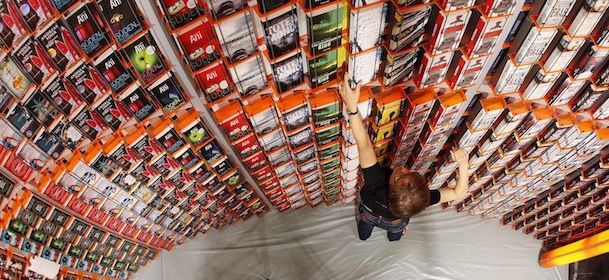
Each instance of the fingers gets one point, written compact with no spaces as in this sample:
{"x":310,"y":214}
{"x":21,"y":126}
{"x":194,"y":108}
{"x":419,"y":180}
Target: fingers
{"x":358,"y":86}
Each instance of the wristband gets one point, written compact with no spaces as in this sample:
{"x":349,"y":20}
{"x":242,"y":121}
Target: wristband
{"x":354,"y":113}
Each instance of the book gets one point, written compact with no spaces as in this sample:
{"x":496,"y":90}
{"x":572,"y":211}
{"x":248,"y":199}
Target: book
{"x":366,"y":27}
{"x":122,"y":18}
{"x":310,"y":4}
{"x":249,"y":76}
{"x":86,"y":25}
{"x":112,"y":112}
{"x":325,"y":28}
{"x":168,"y":94}
{"x":215,"y":82}
{"x":14,"y":78}
{"x":59,"y":45}
{"x":273,"y":140}
{"x":33,"y":60}
{"x":399,"y":68}
{"x":554,"y":12}
{"x":281,"y":33}
{"x":198,"y":45}
{"x":111,"y":66}
{"x":265,"y":120}
{"x":467,"y":72}
{"x":196,"y":133}
{"x":324,"y":68}
{"x":41,"y":108}
{"x":63,"y":94}
{"x":23,"y":121}
{"x":326,"y":114}
{"x":288,"y":72}
{"x":265,"y":6}
{"x":137,"y":102}
{"x":247,"y":146}
{"x":236,"y":35}
{"x":279,"y":157}
{"x":62,"y":5}
{"x":13,"y":27}
{"x":145,"y":58}
{"x":223,"y":8}
{"x":301,"y":137}
{"x":85,"y":80}
{"x":211,"y":152}
{"x":68,"y":133}
{"x":33,"y":13}
{"x":364,"y":66}
{"x":296,"y":117}
{"x":179,"y":13}
{"x":485,"y":36}
{"x":534,"y":45}
{"x":448,"y":30}
{"x":408,"y":27}
{"x":170,"y":140}
{"x":327,"y":134}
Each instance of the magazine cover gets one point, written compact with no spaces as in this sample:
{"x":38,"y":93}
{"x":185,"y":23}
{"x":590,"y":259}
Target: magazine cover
{"x":281,"y":33}
{"x":325,"y":30}
{"x":122,"y":18}
{"x":85,"y":23}
{"x":289,"y":73}
{"x":236,"y":35}
{"x":296,"y":117}
{"x":198,"y":45}
{"x":59,"y":46}
{"x":113,"y":71}
{"x":168,"y":94}
{"x":179,"y":13}
{"x":34,"y":60}
{"x":323,"y":69}
{"x":145,"y":58}
{"x":249,"y":76}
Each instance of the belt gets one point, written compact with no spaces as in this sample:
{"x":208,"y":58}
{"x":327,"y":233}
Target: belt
{"x":393,"y":220}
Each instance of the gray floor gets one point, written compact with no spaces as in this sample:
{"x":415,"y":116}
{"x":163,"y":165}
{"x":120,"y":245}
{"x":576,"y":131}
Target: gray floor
{"x":322,"y":243}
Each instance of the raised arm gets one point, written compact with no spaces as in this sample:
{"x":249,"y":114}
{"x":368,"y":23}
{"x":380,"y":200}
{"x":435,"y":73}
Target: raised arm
{"x":462,"y":159}
{"x":350,"y":97}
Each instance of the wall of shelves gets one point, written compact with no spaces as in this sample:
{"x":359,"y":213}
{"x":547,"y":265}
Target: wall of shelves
{"x":195,"y":115}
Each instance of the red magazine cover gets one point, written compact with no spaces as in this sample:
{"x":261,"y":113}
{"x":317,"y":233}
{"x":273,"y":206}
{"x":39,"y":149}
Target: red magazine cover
{"x":60,"y":46}
{"x":12,"y":26}
{"x":199,"y":45}
{"x":215,"y":82}
{"x":33,"y":12}
{"x":33,"y":60}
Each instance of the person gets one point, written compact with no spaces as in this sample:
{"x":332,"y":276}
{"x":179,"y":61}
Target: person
{"x":390,"y":197}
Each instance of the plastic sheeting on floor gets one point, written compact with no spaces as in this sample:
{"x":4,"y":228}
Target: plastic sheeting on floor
{"x":322,"y":243}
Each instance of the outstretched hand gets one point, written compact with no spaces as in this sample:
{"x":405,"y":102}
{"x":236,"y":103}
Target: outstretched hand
{"x":460,"y":156}
{"x":349,"y":96}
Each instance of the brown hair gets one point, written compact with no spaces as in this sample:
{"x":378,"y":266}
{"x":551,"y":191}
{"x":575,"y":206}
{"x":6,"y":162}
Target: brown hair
{"x":409,"y":197}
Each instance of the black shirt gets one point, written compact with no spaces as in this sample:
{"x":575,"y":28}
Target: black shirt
{"x":375,"y":192}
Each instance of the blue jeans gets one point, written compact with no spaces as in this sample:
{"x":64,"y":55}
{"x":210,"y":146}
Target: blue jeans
{"x":368,"y":221}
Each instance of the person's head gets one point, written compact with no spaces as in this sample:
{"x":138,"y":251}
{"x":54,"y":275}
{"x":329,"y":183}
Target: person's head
{"x":408,"y":193}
